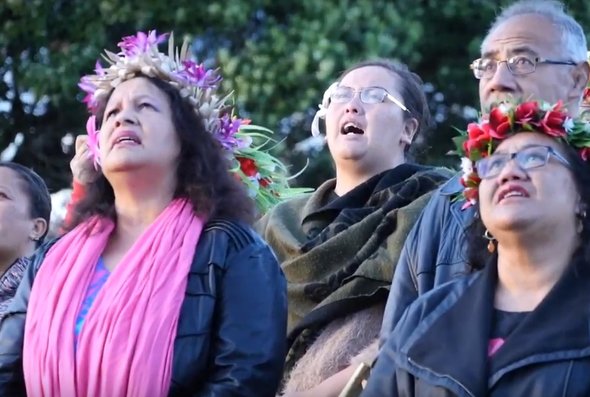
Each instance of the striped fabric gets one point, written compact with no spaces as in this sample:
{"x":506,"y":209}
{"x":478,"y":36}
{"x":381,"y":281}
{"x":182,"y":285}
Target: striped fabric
{"x":9,"y":282}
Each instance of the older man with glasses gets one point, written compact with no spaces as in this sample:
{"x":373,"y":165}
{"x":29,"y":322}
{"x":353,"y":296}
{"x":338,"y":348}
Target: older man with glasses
{"x":518,"y":65}
{"x":533,"y":50}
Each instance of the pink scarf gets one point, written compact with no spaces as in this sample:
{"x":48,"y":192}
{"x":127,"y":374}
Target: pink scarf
{"x":126,"y":344}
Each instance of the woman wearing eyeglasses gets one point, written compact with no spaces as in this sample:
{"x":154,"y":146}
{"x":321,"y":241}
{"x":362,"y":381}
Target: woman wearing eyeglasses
{"x":338,"y":247}
{"x":519,"y":325}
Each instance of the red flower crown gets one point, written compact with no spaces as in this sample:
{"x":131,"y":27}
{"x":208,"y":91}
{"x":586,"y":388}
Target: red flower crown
{"x":505,"y":120}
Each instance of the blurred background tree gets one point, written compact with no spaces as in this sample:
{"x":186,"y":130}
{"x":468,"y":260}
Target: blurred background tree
{"x":278,"y":57}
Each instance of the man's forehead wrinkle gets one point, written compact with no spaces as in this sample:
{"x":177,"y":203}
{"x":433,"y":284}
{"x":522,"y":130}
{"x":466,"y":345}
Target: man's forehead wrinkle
{"x":514,"y":45}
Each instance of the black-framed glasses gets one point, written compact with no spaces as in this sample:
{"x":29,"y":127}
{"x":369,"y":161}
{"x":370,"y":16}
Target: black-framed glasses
{"x":526,"y":158}
{"x":485,"y":68}
{"x":368,"y":95}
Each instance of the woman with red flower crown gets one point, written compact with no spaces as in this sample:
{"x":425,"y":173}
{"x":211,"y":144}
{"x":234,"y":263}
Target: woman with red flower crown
{"x":338,"y":246}
{"x":162,"y":287}
{"x":518,"y":324}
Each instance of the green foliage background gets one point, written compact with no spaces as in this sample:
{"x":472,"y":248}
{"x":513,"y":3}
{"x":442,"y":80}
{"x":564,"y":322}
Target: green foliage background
{"x":278,"y":56}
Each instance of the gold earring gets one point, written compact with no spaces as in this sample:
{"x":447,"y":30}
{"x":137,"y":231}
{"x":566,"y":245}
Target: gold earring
{"x":491,"y":246}
{"x":581,"y":215}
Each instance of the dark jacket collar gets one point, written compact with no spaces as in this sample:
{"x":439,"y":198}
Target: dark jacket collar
{"x":455,"y":343}
{"x":452,"y":186}
{"x":558,"y":327}
{"x":452,"y":341}
{"x":452,"y":190}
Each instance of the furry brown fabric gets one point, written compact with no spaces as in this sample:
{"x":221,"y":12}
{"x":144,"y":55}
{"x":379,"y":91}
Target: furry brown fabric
{"x":367,"y":355}
{"x":349,"y":340}
{"x":339,"y":255}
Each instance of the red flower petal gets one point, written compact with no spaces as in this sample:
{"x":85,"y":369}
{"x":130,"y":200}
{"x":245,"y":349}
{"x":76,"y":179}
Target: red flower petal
{"x":248,"y":166}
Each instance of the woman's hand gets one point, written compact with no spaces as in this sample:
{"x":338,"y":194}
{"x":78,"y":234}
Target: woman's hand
{"x":82,"y":165}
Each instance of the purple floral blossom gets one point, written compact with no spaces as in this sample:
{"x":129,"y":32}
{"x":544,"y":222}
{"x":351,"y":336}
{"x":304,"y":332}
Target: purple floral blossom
{"x":98,"y":69}
{"x":197,"y":74}
{"x":89,"y":88}
{"x":93,"y":141}
{"x":227,"y":132}
{"x":140,"y":43}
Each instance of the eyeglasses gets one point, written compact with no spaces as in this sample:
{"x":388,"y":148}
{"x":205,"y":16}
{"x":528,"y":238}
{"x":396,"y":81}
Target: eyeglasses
{"x":368,"y":95}
{"x":517,"y":65}
{"x":527,"y":158}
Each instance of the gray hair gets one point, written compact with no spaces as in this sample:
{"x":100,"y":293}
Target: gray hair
{"x":572,"y":34}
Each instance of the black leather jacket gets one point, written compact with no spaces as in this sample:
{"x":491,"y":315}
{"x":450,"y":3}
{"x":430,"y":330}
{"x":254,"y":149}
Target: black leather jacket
{"x":231,"y":333}
{"x":432,"y":254}
{"x":440,"y":345}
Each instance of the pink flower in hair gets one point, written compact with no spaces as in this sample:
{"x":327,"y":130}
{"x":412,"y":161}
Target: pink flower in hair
{"x":93,"y":140}
{"x":140,"y":43}
{"x":98,"y":69}
{"x":199,"y":75}
{"x":89,"y":88}
{"x":229,"y":127}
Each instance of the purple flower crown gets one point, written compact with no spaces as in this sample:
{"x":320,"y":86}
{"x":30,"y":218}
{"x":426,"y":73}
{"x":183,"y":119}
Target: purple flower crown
{"x":140,"y":55}
{"x":265,"y":176}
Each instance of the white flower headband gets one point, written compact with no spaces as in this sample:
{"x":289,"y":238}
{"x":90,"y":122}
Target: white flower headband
{"x":323,"y":110}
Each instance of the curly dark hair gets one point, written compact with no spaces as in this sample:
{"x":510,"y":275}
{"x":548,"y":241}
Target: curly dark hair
{"x":36,"y":191}
{"x":202,"y":173}
{"x":412,"y":92}
{"x":477,"y":253}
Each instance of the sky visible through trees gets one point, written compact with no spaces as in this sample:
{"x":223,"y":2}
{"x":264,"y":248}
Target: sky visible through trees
{"x":277,"y":56}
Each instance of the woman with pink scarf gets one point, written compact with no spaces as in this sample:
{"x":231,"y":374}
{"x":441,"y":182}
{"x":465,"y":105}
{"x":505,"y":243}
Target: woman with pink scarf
{"x":160,"y":288}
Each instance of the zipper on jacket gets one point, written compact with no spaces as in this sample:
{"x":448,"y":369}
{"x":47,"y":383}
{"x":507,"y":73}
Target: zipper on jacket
{"x":413,"y":363}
